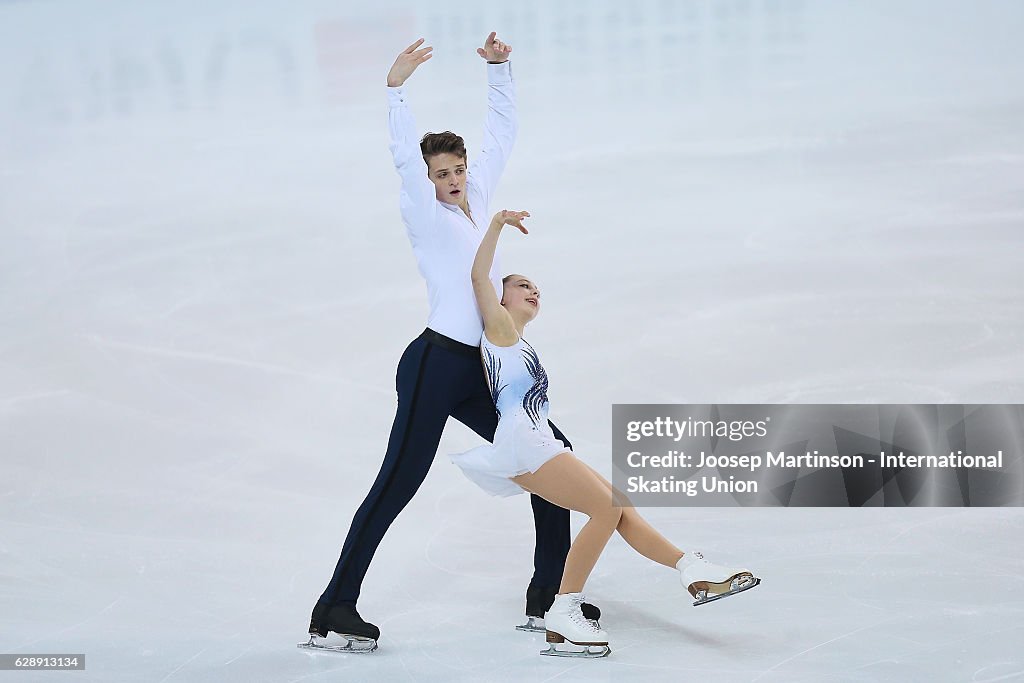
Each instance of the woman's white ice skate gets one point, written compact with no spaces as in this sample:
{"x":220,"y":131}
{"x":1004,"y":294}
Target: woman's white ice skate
{"x":565,"y":622}
{"x":708,"y":582}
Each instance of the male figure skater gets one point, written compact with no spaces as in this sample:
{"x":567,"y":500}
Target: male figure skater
{"x":440,"y":373}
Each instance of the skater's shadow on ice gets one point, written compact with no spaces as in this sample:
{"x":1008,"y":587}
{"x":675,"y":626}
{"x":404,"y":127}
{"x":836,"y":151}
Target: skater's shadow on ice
{"x":725,"y":643}
{"x":650,"y":624}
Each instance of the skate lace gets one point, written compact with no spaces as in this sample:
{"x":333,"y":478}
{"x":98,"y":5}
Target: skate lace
{"x":583,"y":622}
{"x":577,"y":617}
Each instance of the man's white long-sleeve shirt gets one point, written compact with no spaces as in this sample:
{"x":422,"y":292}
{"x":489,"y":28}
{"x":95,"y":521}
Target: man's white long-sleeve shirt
{"x":444,"y":239}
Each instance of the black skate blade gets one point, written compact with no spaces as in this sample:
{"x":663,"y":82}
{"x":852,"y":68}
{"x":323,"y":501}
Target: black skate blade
{"x":719,"y":596}
{"x":588,"y":651}
{"x":353,"y":645}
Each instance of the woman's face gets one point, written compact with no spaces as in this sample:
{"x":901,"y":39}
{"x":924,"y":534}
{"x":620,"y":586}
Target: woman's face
{"x":521,"y":295}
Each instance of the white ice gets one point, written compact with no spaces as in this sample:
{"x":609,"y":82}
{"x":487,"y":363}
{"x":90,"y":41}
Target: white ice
{"x":205,"y":287}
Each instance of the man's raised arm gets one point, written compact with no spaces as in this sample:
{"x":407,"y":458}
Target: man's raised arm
{"x":501,"y":124}
{"x":418,"y":200}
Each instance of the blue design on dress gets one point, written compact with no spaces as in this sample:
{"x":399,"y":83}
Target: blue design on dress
{"x":492,"y":368}
{"x":536,"y":397}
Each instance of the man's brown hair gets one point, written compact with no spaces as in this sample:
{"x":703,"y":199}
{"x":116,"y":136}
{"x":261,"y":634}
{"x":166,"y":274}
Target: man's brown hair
{"x":446,"y":142}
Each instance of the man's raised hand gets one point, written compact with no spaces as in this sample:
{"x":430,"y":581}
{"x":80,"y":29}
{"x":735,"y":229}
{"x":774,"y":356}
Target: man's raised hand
{"x":406,"y":63}
{"x":494,"y":50}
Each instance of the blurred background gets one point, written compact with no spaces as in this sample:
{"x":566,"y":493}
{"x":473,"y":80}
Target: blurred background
{"x":205,"y":287}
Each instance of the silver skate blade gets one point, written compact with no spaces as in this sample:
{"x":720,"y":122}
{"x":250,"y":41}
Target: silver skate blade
{"x":588,"y":651}
{"x":353,"y":645}
{"x":703,"y":598}
{"x":532,"y":625}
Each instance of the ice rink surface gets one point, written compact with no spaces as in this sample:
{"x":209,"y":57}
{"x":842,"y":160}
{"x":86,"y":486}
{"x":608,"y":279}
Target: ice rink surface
{"x":205,"y":287}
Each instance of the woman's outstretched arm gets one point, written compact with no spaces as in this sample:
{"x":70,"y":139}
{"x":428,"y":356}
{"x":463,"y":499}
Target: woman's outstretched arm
{"x":498,"y":324}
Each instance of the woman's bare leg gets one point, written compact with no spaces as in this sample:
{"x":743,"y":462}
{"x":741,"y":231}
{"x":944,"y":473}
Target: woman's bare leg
{"x":639,"y":534}
{"x":569,"y":483}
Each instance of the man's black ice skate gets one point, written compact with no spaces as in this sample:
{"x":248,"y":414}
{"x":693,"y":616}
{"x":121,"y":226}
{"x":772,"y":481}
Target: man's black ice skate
{"x":359,"y":636}
{"x":539,"y":600}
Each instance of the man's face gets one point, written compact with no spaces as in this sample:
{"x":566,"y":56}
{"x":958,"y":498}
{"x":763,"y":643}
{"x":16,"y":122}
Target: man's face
{"x":448,"y":173}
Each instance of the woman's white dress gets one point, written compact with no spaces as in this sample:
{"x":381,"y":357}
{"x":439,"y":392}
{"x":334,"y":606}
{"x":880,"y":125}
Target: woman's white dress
{"x":523,"y":440}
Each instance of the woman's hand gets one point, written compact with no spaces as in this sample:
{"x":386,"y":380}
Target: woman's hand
{"x":506,"y":217}
{"x":494,"y":50}
{"x":406,"y":63}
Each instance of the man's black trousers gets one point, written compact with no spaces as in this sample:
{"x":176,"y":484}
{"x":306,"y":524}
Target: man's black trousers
{"x":437,"y":377}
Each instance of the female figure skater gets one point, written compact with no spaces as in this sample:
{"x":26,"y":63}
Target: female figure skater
{"x":525,"y":455}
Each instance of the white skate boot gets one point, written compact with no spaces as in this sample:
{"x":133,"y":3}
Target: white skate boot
{"x":709,"y":582}
{"x":565,"y":622}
